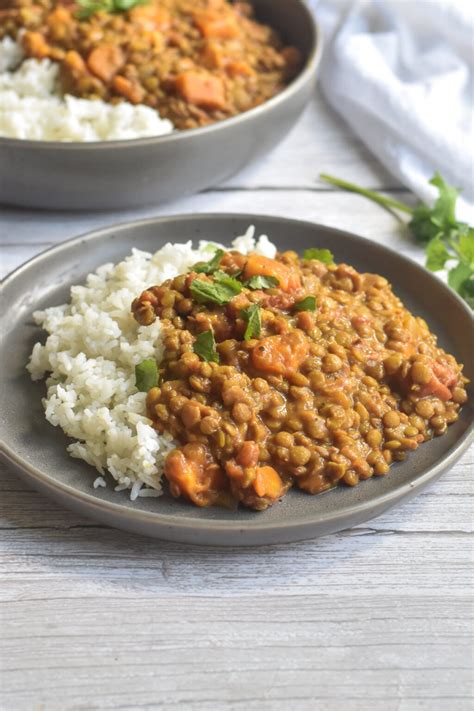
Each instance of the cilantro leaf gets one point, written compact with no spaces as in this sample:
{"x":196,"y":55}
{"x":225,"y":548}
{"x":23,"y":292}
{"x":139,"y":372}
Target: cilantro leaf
{"x":87,"y":8}
{"x":210,"y":266}
{"x":444,"y":209}
{"x":205,"y":346}
{"x":467,"y":291}
{"x":146,"y":375}
{"x":306,"y":304}
{"x":428,"y":222}
{"x":214,"y":292}
{"x":322,"y":255}
{"x":261,"y":282}
{"x":466,"y":246}
{"x":254,"y":321}
{"x":449,"y":242}
{"x":436,"y":254}
{"x":459,"y":276}
{"x":228,"y":280}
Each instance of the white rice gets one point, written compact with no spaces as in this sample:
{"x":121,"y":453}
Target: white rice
{"x":91,"y":352}
{"x":32,"y":107}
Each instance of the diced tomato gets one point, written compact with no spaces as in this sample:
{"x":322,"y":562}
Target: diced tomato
{"x":440,"y":384}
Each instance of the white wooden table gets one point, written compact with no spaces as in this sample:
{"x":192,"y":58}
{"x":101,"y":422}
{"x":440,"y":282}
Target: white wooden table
{"x":377,"y":617}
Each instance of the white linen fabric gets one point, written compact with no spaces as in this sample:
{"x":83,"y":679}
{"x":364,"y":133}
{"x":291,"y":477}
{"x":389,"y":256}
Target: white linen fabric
{"x":400,"y":73}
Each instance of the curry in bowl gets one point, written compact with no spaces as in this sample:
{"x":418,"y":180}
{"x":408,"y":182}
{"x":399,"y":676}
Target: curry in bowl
{"x":290,"y":371}
{"x":192,"y":62}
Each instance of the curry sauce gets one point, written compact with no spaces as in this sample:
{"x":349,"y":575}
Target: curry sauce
{"x":292,"y":371}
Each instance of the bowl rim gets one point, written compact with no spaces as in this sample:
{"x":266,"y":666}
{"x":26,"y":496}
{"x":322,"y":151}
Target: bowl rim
{"x":307,"y":73}
{"x":178,"y":523}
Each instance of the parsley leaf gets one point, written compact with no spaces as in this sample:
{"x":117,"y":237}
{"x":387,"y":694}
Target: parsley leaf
{"x":306,"y":304}
{"x":205,"y":346}
{"x":322,"y":255}
{"x":449,"y":242}
{"x":214,"y":291}
{"x":210,"y":266}
{"x":261,"y":282}
{"x":146,"y":375}
{"x":254,"y":321}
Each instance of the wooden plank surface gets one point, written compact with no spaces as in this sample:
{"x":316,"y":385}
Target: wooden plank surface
{"x":378,"y":617}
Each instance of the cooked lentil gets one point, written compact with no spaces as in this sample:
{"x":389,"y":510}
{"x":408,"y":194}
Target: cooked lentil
{"x":195,"y":61}
{"x":320,"y":398}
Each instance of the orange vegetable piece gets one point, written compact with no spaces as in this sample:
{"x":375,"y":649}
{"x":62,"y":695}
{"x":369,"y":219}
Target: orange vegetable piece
{"x":150,"y":17}
{"x":439,"y":386}
{"x":241,"y":68}
{"x":35,"y":45}
{"x":75,"y":64}
{"x":213,"y":24}
{"x":133,"y":92}
{"x":192,"y":476}
{"x":201,"y":89}
{"x":105,"y":61}
{"x":267,"y":483}
{"x":281,"y":355}
{"x":212,"y":55}
{"x":287,"y":277}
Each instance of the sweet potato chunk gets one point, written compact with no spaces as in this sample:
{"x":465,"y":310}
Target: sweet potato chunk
{"x":35,"y":45}
{"x":267,"y":483}
{"x":201,"y":90}
{"x":281,"y":355}
{"x":132,"y":92}
{"x":256,"y":264}
{"x":105,"y":61}
{"x":150,"y":17}
{"x":213,"y":24}
{"x":192,"y":475}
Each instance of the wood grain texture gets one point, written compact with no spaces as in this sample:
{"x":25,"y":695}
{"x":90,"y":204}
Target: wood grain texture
{"x":376,"y":618}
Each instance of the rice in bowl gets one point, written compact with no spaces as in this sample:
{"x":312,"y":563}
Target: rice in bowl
{"x":32,"y":106}
{"x":93,"y":346}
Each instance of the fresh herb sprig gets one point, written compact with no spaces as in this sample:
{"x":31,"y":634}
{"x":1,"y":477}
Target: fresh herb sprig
{"x":205,"y":347}
{"x":306,"y":304}
{"x":252,"y":316}
{"x":87,"y":8}
{"x":321,"y":255}
{"x":146,"y":375}
{"x":261,"y":282}
{"x":449,"y":243}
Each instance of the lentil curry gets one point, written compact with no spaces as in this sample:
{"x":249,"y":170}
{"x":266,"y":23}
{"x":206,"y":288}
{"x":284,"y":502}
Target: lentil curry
{"x":290,"y":372}
{"x":195,"y":61}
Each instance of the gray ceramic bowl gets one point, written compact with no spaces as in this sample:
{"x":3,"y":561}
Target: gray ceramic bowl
{"x":123,"y":174}
{"x":38,"y":450}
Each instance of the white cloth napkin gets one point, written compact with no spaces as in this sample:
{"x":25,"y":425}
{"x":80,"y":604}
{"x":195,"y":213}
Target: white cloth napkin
{"x":400,"y":72}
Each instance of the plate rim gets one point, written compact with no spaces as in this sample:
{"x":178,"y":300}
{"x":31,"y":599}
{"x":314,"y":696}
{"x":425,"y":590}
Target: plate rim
{"x":186,"y":524}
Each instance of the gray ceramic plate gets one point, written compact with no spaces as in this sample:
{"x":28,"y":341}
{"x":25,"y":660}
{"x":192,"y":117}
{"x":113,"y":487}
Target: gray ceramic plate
{"x":123,"y":174}
{"x":39,"y":451}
